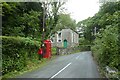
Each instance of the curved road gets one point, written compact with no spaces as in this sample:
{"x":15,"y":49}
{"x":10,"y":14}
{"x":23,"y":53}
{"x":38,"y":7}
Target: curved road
{"x":78,"y":65}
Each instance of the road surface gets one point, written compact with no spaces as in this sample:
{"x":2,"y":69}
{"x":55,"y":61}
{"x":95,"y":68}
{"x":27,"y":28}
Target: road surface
{"x":78,"y":65}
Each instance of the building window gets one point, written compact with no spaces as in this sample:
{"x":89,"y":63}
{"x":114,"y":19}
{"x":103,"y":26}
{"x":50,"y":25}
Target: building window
{"x":52,"y":40}
{"x":59,"y":34}
{"x":59,"y":37}
{"x":59,"y":40}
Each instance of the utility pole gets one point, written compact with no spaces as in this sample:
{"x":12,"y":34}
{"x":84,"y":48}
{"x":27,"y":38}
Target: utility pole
{"x":44,"y":22}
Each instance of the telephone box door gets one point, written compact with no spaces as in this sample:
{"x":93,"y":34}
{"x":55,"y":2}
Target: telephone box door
{"x":47,"y":53}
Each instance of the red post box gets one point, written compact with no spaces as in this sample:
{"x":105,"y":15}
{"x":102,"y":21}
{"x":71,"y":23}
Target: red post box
{"x":47,"y":53}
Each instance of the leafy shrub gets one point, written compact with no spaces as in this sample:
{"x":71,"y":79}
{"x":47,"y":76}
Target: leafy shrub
{"x":106,"y":47}
{"x":54,"y":50}
{"x":16,"y":51}
{"x":85,"y":47}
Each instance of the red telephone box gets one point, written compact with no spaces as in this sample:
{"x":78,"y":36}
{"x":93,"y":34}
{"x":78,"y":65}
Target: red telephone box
{"x":47,"y":53}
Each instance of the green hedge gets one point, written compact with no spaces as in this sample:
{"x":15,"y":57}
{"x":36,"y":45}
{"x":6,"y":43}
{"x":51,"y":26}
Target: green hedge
{"x":16,"y":51}
{"x":85,"y":47}
{"x":106,"y":49}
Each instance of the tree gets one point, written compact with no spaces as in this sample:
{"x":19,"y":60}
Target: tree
{"x":107,"y":15}
{"x":53,"y":16}
{"x":65,"y":21}
{"x":21,"y":19}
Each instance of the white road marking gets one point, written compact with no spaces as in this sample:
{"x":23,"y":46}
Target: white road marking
{"x":61,"y":70}
{"x":77,"y":57}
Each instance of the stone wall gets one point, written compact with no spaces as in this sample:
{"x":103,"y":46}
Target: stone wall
{"x":63,"y":51}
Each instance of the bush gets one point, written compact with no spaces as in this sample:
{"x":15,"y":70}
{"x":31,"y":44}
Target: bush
{"x":16,"y":51}
{"x":85,"y":47}
{"x":106,"y":47}
{"x":84,"y":44}
{"x":54,"y":51}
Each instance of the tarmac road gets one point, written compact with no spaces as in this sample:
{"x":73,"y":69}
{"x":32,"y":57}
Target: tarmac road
{"x":78,"y":65}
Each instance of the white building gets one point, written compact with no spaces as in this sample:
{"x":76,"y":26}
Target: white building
{"x":65,"y":37}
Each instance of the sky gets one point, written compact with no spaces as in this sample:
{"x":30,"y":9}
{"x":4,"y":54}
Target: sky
{"x":82,"y":9}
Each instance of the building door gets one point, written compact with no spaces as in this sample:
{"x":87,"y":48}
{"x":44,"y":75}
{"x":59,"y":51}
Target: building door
{"x":65,"y":43}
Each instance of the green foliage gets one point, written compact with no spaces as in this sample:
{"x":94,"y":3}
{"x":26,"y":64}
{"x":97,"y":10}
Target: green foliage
{"x":21,"y":19}
{"x":57,"y":19}
{"x":110,"y":7}
{"x":107,"y":15}
{"x":16,"y":51}
{"x":54,"y":51}
{"x":84,"y":47}
{"x":30,"y":24}
{"x":26,"y":19}
{"x":83,"y":41}
{"x":106,"y":44}
{"x":65,"y":21}
{"x":106,"y":47}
